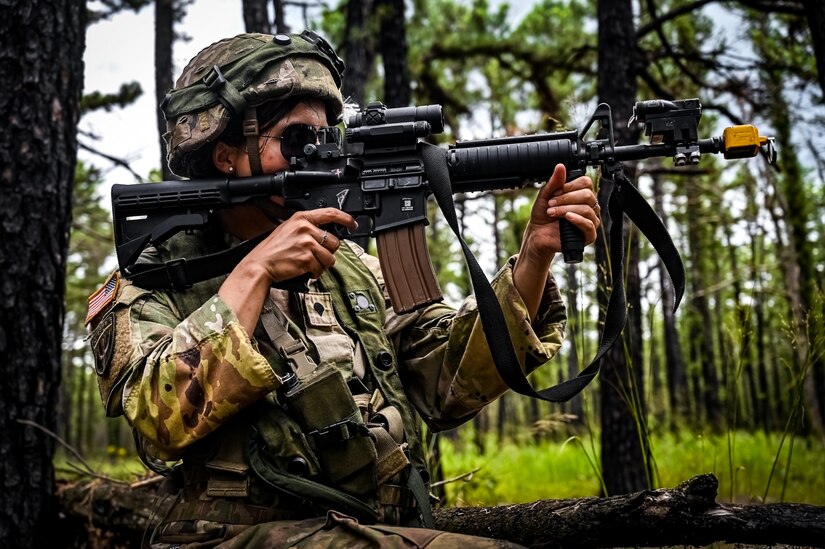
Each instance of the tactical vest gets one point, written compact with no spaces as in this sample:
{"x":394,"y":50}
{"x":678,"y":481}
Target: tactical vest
{"x":329,"y":441}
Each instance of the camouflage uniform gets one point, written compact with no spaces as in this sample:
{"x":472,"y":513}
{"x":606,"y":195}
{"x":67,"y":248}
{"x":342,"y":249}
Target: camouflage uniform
{"x":196,"y":387}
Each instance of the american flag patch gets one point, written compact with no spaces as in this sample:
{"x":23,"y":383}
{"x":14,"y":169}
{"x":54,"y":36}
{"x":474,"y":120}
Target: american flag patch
{"x":103,"y":296}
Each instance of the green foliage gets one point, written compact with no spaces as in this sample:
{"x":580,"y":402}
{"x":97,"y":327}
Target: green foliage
{"x":90,"y":244}
{"x":471,"y":59}
{"x":101,"y":10}
{"x":126,"y":95}
{"x":116,"y":463}
{"x":90,"y":250}
{"x":513,"y":472}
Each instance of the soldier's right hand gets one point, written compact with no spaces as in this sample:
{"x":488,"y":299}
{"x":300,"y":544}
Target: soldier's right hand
{"x":295,"y":247}
{"x":299,"y":245}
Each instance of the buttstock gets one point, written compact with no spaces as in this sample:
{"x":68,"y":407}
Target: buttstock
{"x":408,"y":271}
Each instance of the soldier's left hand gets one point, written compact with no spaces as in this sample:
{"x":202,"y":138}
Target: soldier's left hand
{"x":574,"y":201}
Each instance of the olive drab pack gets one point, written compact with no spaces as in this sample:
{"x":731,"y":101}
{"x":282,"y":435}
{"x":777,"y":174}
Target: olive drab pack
{"x":289,"y":457}
{"x":230,"y":78}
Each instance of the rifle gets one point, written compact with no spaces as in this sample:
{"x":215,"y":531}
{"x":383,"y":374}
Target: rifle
{"x":383,"y":173}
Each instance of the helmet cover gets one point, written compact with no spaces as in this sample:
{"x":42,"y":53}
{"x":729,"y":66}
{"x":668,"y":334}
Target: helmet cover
{"x":244,"y":71}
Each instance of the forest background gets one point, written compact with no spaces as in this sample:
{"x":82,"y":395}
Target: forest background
{"x":733,"y":383}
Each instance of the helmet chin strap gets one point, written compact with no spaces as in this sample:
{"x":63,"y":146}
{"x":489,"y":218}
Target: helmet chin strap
{"x":251,"y":131}
{"x":274,"y":212}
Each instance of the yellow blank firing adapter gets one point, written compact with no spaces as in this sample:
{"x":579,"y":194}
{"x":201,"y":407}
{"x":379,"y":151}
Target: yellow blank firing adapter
{"x":744,"y":142}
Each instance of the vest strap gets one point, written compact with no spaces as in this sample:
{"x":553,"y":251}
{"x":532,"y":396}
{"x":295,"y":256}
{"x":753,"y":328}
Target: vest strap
{"x":391,"y":456}
{"x":390,"y":418}
{"x":228,"y":471}
{"x":306,"y":489}
{"x":293,"y":350}
{"x":422,"y":497}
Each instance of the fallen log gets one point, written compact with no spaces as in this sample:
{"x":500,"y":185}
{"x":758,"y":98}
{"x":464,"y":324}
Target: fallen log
{"x":685,"y":515}
{"x":121,"y":515}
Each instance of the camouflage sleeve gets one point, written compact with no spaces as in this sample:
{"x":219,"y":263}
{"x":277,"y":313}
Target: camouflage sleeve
{"x":184,"y":377}
{"x":444,"y":361}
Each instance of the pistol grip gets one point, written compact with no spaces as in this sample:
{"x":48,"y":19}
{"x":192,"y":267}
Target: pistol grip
{"x":572,"y":238}
{"x":407,"y":269}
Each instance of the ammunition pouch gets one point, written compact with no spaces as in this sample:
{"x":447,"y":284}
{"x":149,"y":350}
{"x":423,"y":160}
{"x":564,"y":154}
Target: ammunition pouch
{"x":321,"y":403}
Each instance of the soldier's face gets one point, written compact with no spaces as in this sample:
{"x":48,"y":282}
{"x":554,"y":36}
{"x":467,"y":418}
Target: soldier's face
{"x":310,"y":113}
{"x":247,"y":220}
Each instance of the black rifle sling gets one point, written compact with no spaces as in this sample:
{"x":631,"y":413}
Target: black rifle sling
{"x":650,"y":224}
{"x":490,"y":313}
{"x":180,"y":274}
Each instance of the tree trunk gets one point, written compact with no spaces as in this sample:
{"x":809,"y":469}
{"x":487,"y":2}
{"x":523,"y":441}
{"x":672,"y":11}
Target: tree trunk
{"x":701,"y":327}
{"x":623,"y":463}
{"x":358,"y":50}
{"x":798,"y":210}
{"x":770,"y":407}
{"x":574,"y":332}
{"x":280,"y":17}
{"x":674,"y":358}
{"x":754,"y":395}
{"x":815,"y":14}
{"x":164,"y":39}
{"x":256,"y":16}
{"x":393,"y":36}
{"x":64,"y":421}
{"x":41,"y":60}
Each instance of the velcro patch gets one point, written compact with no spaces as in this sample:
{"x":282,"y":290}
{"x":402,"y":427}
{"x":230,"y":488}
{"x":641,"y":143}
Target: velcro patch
{"x":319,"y":310}
{"x":103,"y":296}
{"x":103,"y":343}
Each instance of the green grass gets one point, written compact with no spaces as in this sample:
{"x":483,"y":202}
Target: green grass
{"x":521,"y":472}
{"x":116,"y":464}
{"x":518,"y":473}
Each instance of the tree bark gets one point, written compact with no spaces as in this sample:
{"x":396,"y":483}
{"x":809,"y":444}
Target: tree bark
{"x":358,"y":50}
{"x":280,"y":17}
{"x":41,"y":61}
{"x":575,"y":332}
{"x":815,"y":14}
{"x":677,"y":386}
{"x":164,"y":40}
{"x":256,"y":16}
{"x":393,"y":37}
{"x":685,"y":515}
{"x":623,"y":457}
{"x":701,"y":326}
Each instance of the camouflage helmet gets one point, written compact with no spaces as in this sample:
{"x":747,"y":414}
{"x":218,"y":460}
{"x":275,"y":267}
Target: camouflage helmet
{"x":229,"y":79}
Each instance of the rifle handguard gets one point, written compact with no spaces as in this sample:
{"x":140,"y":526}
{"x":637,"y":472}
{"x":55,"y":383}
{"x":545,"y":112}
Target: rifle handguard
{"x":408,"y":271}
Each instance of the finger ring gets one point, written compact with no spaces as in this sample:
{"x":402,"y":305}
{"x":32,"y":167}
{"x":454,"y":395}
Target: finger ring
{"x":324,"y":238}
{"x":596,"y":205}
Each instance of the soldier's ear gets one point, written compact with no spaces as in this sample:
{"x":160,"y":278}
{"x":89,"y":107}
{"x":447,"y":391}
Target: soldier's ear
{"x":226,"y":157}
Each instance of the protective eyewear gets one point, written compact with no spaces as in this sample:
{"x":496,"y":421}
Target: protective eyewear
{"x":296,"y":137}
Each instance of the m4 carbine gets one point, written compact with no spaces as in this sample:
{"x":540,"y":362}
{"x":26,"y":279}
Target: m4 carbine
{"x":384,"y":172}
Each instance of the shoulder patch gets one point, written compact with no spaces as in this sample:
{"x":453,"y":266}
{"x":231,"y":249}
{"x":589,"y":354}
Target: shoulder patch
{"x":103,"y":343}
{"x":103,"y":296}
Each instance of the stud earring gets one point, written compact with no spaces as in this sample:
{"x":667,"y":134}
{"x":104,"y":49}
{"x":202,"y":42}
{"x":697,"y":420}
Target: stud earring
{"x":231,"y":169}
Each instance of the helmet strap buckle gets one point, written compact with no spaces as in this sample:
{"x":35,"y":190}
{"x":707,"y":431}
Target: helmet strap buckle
{"x":214,"y":79}
{"x":227,"y":94}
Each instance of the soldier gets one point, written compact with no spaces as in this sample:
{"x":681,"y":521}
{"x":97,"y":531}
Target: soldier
{"x":294,"y":417}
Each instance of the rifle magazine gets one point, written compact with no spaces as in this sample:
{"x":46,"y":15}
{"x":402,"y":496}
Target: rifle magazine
{"x":408,"y":271}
